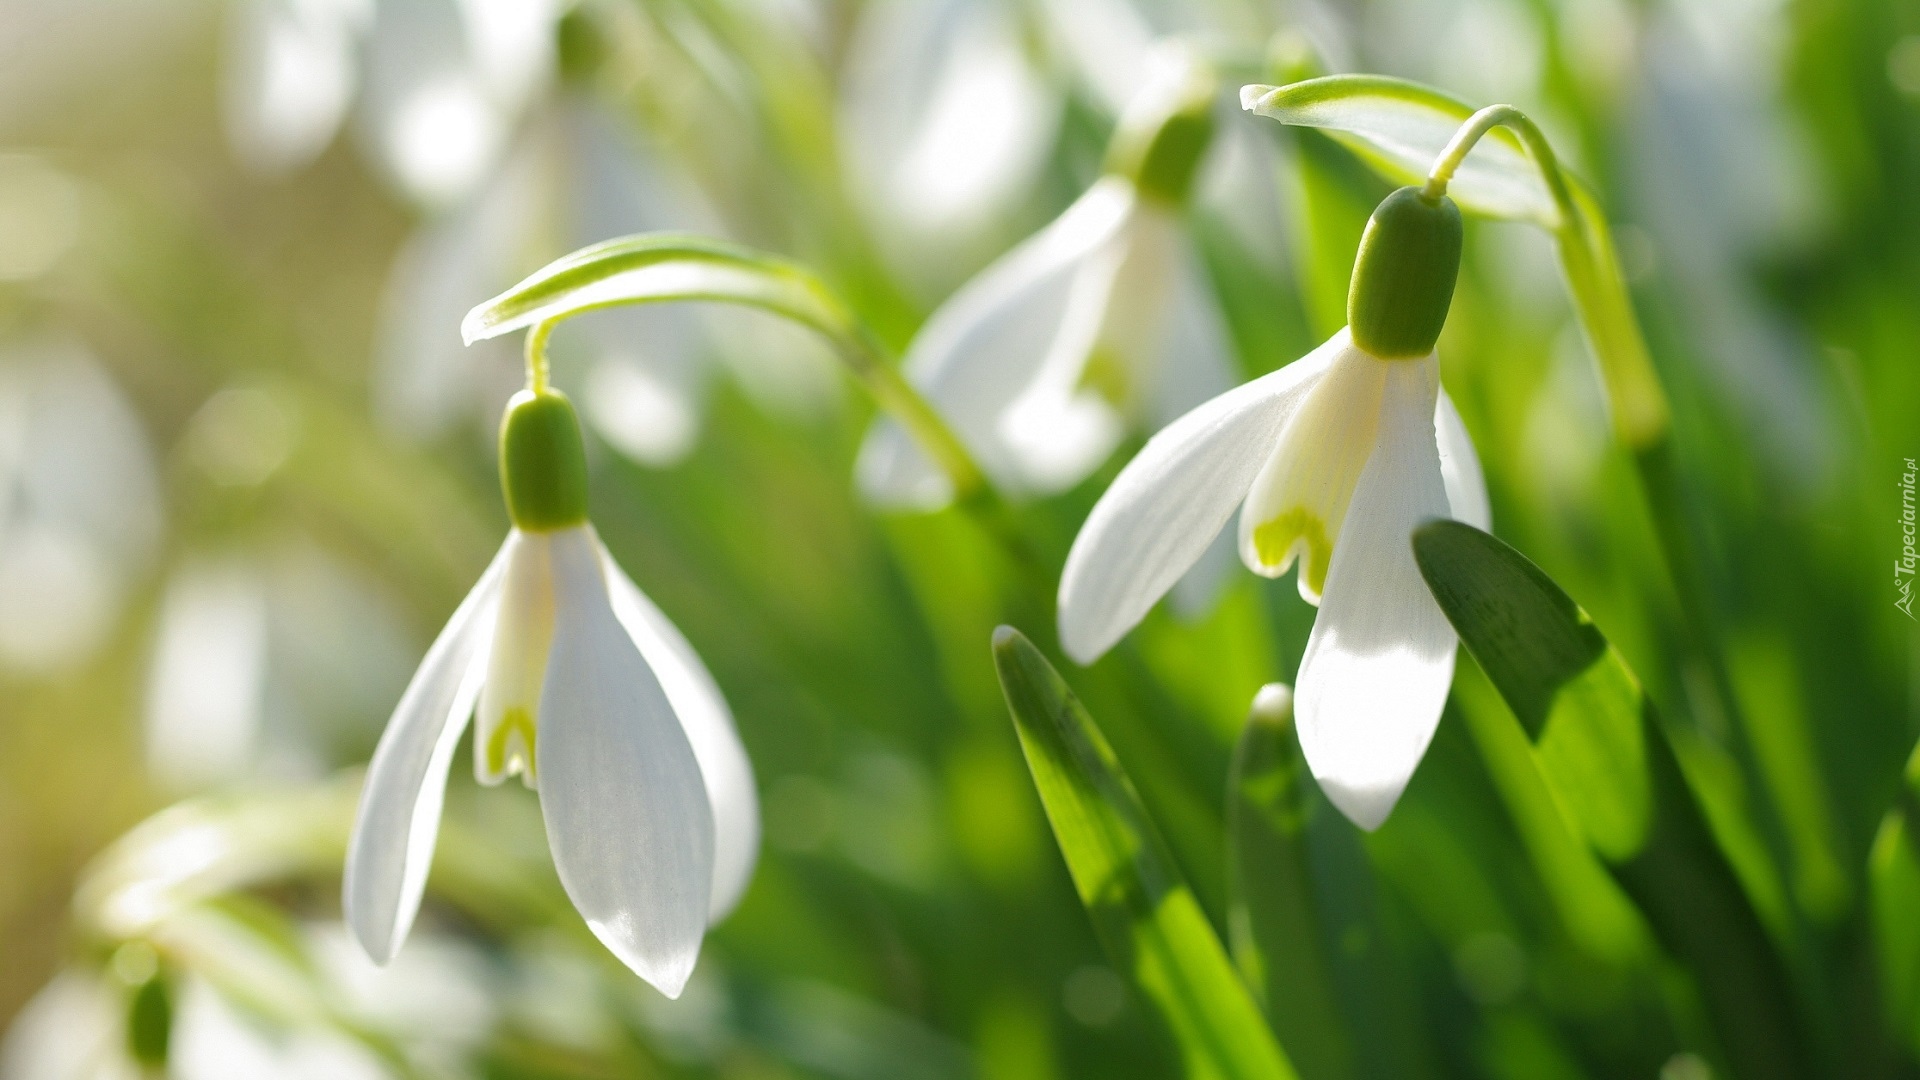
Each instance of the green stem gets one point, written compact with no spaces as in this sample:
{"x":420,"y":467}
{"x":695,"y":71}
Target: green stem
{"x":973,"y":491}
{"x":1637,"y":406}
{"x":539,"y":370}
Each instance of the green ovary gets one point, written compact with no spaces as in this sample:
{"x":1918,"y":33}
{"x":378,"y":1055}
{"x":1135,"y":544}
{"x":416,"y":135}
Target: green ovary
{"x":1274,"y":540}
{"x":501,"y":746}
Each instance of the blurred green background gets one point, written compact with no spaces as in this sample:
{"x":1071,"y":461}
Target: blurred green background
{"x":246,"y":471}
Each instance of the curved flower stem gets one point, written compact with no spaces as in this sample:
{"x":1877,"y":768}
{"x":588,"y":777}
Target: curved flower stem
{"x":1637,"y":405}
{"x":973,"y":491}
{"x":539,"y":370}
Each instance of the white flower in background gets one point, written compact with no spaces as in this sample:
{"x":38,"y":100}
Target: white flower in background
{"x":266,"y":663}
{"x":440,"y":83}
{"x":1100,"y":322}
{"x":590,"y":695}
{"x":1332,"y":460}
{"x":579,"y":175}
{"x":289,"y":77}
{"x":80,"y":511}
{"x":945,"y":124}
{"x":437,"y":1002}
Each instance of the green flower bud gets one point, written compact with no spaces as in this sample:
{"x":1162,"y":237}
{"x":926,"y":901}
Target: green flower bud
{"x":1403,"y":279}
{"x":543,"y":462}
{"x":1164,"y":133}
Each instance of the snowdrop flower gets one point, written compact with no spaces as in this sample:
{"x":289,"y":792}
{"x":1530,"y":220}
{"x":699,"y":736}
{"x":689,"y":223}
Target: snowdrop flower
{"x":80,"y":505}
{"x":587,"y":693}
{"x":1099,"y":322}
{"x":946,"y":124}
{"x":1333,"y":460}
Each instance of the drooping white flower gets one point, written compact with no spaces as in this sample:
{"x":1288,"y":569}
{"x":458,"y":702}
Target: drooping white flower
{"x":590,"y":695}
{"x":945,"y":124}
{"x":1332,"y":462}
{"x":1100,"y":322}
{"x":80,"y":506}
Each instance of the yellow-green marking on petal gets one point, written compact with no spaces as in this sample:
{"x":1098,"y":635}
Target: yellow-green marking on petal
{"x":507,"y":754}
{"x":1276,"y":541}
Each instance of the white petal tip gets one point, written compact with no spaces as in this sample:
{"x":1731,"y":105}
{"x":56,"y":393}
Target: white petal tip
{"x":667,"y":974}
{"x":1084,"y":645}
{"x":1365,"y":804}
{"x":1250,"y":95}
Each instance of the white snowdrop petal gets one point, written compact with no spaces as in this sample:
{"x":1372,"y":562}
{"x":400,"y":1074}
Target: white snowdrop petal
{"x":399,"y":818}
{"x":1198,"y":362}
{"x":1378,"y":664}
{"x":1460,"y":467}
{"x":703,"y":712}
{"x":984,"y":347}
{"x":1299,"y":499}
{"x":1170,"y":502}
{"x":508,"y":717}
{"x":626,"y":807}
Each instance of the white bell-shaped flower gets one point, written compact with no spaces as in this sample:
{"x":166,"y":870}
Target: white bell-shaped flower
{"x":1099,"y":323}
{"x":586,"y":691}
{"x":1332,"y":461}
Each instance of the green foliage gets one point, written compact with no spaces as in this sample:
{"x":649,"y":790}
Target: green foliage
{"x":1148,"y":919}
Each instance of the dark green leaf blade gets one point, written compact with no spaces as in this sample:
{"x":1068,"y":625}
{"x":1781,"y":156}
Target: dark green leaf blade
{"x":1602,"y":749}
{"x":1276,"y":931}
{"x":1146,"y":915}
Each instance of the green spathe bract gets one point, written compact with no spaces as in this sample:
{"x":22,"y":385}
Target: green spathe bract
{"x":543,"y":462}
{"x":1403,"y":278}
{"x":1164,"y":134}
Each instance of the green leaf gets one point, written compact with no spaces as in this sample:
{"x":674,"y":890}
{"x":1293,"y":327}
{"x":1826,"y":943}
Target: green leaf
{"x":657,"y":268}
{"x":1146,"y":915}
{"x":1894,"y":876}
{"x":1614,"y":772}
{"x":1279,"y":940}
{"x":1400,"y":127}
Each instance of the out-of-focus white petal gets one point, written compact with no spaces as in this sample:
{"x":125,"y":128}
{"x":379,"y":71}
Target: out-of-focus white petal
{"x":945,"y":120}
{"x":1170,"y":502}
{"x":508,"y":717}
{"x":1298,"y":502}
{"x":1460,"y":467}
{"x":213,"y":1040}
{"x":73,"y":1029}
{"x":289,"y":77}
{"x":399,"y":819}
{"x":427,"y":112}
{"x":1108,"y":42}
{"x":79,"y":504}
{"x":985,"y":346}
{"x":1376,"y":670}
{"x":427,"y":378}
{"x":1199,"y":362}
{"x":206,"y":688}
{"x":627,"y":815}
{"x":644,"y":410}
{"x":703,"y":712}
{"x":511,"y":45}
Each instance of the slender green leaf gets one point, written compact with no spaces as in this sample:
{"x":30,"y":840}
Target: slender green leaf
{"x":1400,"y":127}
{"x":1894,"y":877}
{"x":1146,"y":915}
{"x":1279,"y":940}
{"x":657,"y":268}
{"x":1611,"y":768}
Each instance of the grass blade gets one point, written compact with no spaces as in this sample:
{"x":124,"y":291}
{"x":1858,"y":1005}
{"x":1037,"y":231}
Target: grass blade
{"x":1144,"y":912}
